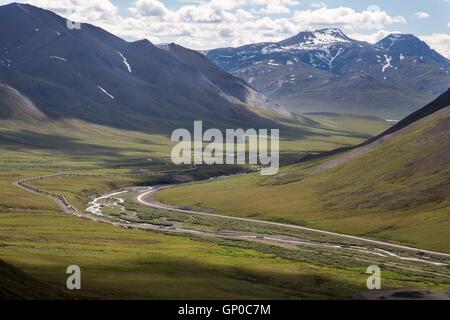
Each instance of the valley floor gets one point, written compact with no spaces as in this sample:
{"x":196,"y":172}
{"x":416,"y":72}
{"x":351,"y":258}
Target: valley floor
{"x":199,"y":264}
{"x":40,"y":240}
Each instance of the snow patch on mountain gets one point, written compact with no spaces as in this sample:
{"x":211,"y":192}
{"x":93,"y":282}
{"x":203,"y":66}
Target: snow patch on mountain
{"x":327,"y":57}
{"x":307,"y":41}
{"x":388,"y":42}
{"x":272,"y":63}
{"x":125,"y":61}
{"x":319,"y":40}
{"x":56,"y":57}
{"x":20,"y":6}
{"x":267,"y":49}
{"x":387,"y":64}
{"x":106,"y":92}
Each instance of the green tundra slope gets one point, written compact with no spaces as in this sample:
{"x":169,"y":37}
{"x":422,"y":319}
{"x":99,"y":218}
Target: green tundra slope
{"x":37,"y":238}
{"x":396,"y":188}
{"x":16,"y":284}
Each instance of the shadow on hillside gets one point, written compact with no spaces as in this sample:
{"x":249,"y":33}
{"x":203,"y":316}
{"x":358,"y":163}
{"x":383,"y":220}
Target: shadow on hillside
{"x":39,"y":141}
{"x":18,"y":285}
{"x":242,"y":282}
{"x":152,"y":279}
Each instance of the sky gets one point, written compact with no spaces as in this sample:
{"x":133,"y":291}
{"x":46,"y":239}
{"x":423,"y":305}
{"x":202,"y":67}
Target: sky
{"x":208,"y":24}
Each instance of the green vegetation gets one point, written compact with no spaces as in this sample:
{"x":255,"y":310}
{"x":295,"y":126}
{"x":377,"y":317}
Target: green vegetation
{"x":40,"y":240}
{"x":397,"y":191}
{"x":15,"y":284}
{"x":359,"y":126}
{"x":119,"y":263}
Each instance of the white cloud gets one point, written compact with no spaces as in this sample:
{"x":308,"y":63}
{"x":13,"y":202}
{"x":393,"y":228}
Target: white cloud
{"x":318,"y":5}
{"x":149,"y":8}
{"x":268,"y":2}
{"x":275,"y":9}
{"x":96,"y":11}
{"x":371,"y":18}
{"x":205,"y":24}
{"x":372,"y":37}
{"x":422,"y":15}
{"x":439,"y":42}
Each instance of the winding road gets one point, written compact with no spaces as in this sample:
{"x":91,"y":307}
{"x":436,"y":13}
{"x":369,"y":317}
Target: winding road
{"x":63,"y":202}
{"x":148,"y":199}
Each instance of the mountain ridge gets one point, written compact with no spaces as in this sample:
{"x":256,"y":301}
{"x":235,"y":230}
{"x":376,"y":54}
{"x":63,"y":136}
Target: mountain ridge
{"x":92,"y":75}
{"x":339,"y":74}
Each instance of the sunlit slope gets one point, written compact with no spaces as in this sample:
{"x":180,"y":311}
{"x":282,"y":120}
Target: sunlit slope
{"x":360,"y":126}
{"x":397,"y":188}
{"x":15,"y":105}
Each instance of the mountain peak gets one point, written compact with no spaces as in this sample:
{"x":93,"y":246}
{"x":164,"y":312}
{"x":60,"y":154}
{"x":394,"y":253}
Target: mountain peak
{"x":338,"y":33}
{"x":395,"y":38}
{"x":403,"y":36}
{"x":317,"y":38}
{"x":410,"y":45}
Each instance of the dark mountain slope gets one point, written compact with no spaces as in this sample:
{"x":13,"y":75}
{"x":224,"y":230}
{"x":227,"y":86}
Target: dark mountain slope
{"x":228,"y":83}
{"x":92,"y":75}
{"x":233,"y":86}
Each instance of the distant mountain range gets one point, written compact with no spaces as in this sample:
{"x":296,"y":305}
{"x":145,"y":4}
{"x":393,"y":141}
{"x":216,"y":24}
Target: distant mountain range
{"x":49,"y":71}
{"x":326,"y":71}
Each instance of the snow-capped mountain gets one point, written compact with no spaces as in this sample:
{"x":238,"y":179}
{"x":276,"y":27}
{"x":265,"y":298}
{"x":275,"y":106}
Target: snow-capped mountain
{"x":325,"y":70}
{"x":315,"y":39}
{"x":410,"y":45}
{"x":318,"y":48}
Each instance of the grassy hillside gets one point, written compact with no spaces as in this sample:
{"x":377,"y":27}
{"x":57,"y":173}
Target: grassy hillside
{"x":398,"y":190}
{"x":360,"y":126}
{"x":16,"y":284}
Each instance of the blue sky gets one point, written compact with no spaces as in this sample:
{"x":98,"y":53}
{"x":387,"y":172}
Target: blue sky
{"x":439,"y":11}
{"x":206,"y":24}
